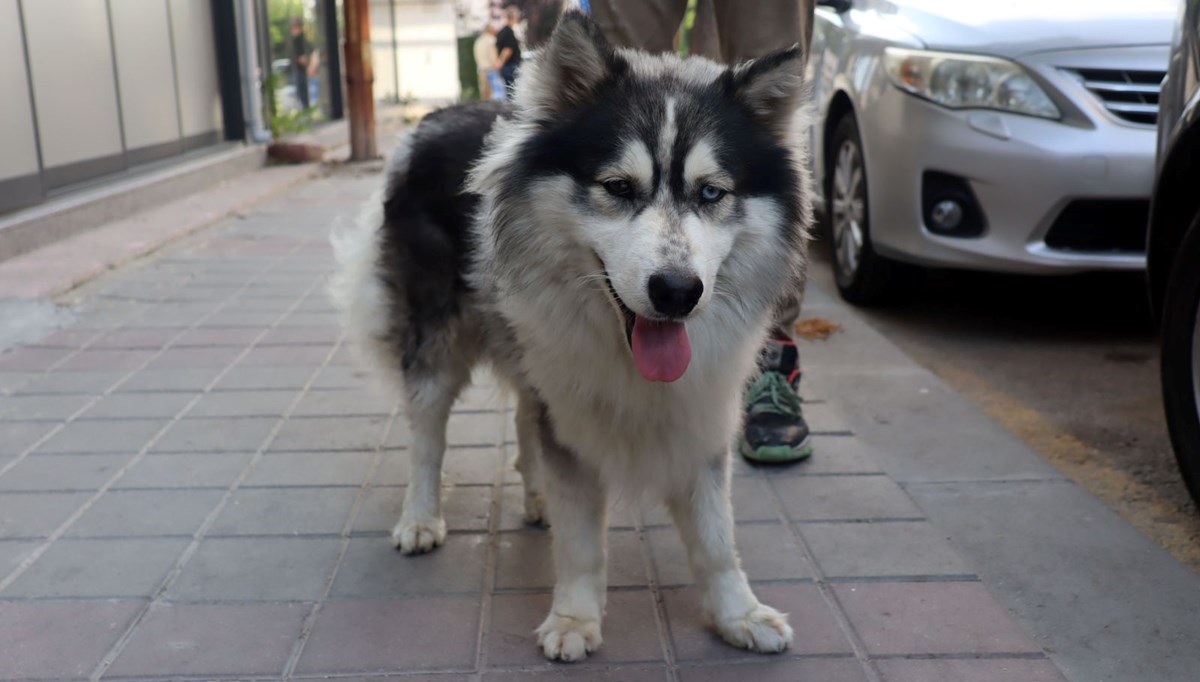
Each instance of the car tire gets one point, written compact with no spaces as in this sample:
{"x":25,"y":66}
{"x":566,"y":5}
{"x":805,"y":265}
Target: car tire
{"x":863,"y":277}
{"x":1181,"y":358}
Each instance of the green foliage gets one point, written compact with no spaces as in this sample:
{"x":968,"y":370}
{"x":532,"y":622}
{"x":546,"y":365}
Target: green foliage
{"x":284,"y":122}
{"x":685,"y":31}
{"x":279,"y":23}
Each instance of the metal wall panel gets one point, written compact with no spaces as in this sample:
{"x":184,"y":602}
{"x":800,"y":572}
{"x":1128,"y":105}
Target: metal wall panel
{"x":145,"y":73}
{"x":70,"y":59}
{"x":196,"y":67}
{"x":17,"y":139}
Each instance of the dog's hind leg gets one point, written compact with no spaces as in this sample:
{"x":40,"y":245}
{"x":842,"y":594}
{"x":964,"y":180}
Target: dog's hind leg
{"x":421,"y":527}
{"x":704,"y":516}
{"x":576,"y":501}
{"x":528,"y":457}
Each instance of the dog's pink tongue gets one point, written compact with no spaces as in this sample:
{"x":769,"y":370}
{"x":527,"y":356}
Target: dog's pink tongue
{"x":661,"y":350}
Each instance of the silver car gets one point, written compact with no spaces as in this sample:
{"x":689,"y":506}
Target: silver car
{"x":1013,"y":136}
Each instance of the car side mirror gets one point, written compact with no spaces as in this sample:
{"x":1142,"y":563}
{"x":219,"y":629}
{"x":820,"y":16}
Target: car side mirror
{"x":838,"y":6}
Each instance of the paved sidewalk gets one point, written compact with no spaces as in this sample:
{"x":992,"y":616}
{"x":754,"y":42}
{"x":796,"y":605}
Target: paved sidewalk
{"x":195,"y":482}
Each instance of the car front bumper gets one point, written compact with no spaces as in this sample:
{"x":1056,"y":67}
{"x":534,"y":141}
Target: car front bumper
{"x":1024,"y":171}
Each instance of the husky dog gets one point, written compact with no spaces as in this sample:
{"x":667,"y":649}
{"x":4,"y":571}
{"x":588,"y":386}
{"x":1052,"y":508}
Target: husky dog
{"x":614,"y":245}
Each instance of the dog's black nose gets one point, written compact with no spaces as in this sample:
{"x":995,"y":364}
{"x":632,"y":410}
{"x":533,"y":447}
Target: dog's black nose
{"x":674,"y":294}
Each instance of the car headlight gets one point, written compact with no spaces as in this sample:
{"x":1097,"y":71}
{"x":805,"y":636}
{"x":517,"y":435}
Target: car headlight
{"x":966,"y":81}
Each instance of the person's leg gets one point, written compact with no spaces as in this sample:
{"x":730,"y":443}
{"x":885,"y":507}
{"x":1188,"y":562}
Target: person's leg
{"x":485,"y":87}
{"x":775,"y":429}
{"x":751,"y":29}
{"x":302,"y":89}
{"x":648,"y":25}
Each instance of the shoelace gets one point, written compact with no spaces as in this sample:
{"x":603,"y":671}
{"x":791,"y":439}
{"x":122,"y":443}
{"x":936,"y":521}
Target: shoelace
{"x":771,"y":392}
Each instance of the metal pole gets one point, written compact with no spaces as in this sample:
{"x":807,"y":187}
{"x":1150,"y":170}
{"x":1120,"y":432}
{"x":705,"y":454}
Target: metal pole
{"x":251,"y":76}
{"x":360,"y":79}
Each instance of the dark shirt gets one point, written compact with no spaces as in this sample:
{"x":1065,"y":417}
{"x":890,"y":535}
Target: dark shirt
{"x":507,"y":39}
{"x":300,"y":48}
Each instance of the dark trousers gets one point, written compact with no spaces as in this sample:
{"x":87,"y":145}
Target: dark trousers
{"x":509,"y":73}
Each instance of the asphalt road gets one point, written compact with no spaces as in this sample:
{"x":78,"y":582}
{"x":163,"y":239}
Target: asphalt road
{"x":1068,"y":364}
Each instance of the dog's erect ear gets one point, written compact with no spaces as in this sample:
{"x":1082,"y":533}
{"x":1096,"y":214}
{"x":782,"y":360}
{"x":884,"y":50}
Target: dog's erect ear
{"x":574,"y":63}
{"x":772,"y":86}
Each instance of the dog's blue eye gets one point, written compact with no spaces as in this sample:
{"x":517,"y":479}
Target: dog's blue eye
{"x":619,"y":187}
{"x":710,"y":194}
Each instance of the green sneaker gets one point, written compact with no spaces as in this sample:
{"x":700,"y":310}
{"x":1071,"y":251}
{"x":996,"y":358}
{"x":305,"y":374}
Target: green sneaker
{"x":775,"y":431}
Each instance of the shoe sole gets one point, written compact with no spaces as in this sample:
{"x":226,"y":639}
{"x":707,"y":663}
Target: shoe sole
{"x":778,"y":454}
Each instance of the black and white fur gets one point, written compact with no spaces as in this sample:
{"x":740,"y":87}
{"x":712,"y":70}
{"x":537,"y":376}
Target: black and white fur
{"x":496,"y":240}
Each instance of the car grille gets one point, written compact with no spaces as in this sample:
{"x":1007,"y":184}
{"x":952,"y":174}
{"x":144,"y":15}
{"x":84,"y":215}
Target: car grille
{"x":1101,"y":226}
{"x":1128,"y":95}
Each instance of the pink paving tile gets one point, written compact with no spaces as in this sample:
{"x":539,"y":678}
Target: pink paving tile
{"x":976,"y":670}
{"x":564,"y":672}
{"x":59,"y":639}
{"x":268,"y":356}
{"x":212,"y":639}
{"x":220,"y":336}
{"x":32,"y":359}
{"x":629,"y":630}
{"x":816,"y":628}
{"x":931,"y":618}
{"x":189,"y":358}
{"x":393,"y":635}
{"x":152,"y":337}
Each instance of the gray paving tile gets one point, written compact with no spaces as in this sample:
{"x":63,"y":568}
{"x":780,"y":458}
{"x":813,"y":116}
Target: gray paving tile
{"x":59,"y":639}
{"x":170,"y":380}
{"x":774,"y":670}
{"x":98,"y":437}
{"x":816,"y":627}
{"x":17,"y":437}
{"x":138,"y":405}
{"x":62,"y":472}
{"x":328,"y":435}
{"x":67,"y":383}
{"x":882,"y":549}
{"x":831,"y":455}
{"x":525,"y":560}
{"x":344,"y":402}
{"x":99,"y":568}
{"x":220,"y":336}
{"x":146,"y":512}
{"x":337,"y":376}
{"x":264,"y":378}
{"x":629,"y":631}
{"x":40,"y":407}
{"x":460,"y":466}
{"x":13,"y":552}
{"x":100,"y":359}
{"x":297,"y":335}
{"x":986,"y":670}
{"x":184,"y":470}
{"x":827,"y":498}
{"x":219,"y":357}
{"x":227,"y":434}
{"x":285,"y":511}
{"x":32,"y":359}
{"x":769,"y":552}
{"x":243,"y":404}
{"x":393,"y":635}
{"x":930,"y":618}
{"x":31,"y":515}
{"x":373,"y":568}
{"x":257,"y":569}
{"x":310,"y":468}
{"x":465,"y":508}
{"x":212,"y":640}
{"x":286,"y":356}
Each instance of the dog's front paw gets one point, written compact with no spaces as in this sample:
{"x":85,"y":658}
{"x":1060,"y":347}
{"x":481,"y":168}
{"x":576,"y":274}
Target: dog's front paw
{"x":563,"y":638}
{"x":417,"y":537}
{"x":764,"y":630}
{"x":535,"y":510}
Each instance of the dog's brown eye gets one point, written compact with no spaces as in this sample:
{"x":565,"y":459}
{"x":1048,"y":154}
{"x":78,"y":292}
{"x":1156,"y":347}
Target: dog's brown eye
{"x":619,"y":187}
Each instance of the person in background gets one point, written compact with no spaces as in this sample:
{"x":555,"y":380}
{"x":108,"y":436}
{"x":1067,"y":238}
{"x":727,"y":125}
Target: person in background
{"x":485,"y":60}
{"x":508,"y":60}
{"x":732,"y":31}
{"x":300,"y":57}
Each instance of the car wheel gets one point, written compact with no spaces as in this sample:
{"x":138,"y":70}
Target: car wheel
{"x":863,"y":277}
{"x":1181,"y":358}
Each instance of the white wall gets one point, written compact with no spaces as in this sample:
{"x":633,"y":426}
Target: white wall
{"x":426,"y":58}
{"x":196,"y":67}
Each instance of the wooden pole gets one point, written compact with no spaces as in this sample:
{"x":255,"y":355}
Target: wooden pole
{"x":360,"y":80}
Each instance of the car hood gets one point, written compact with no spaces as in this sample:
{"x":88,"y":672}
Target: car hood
{"x":1012,"y":28}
